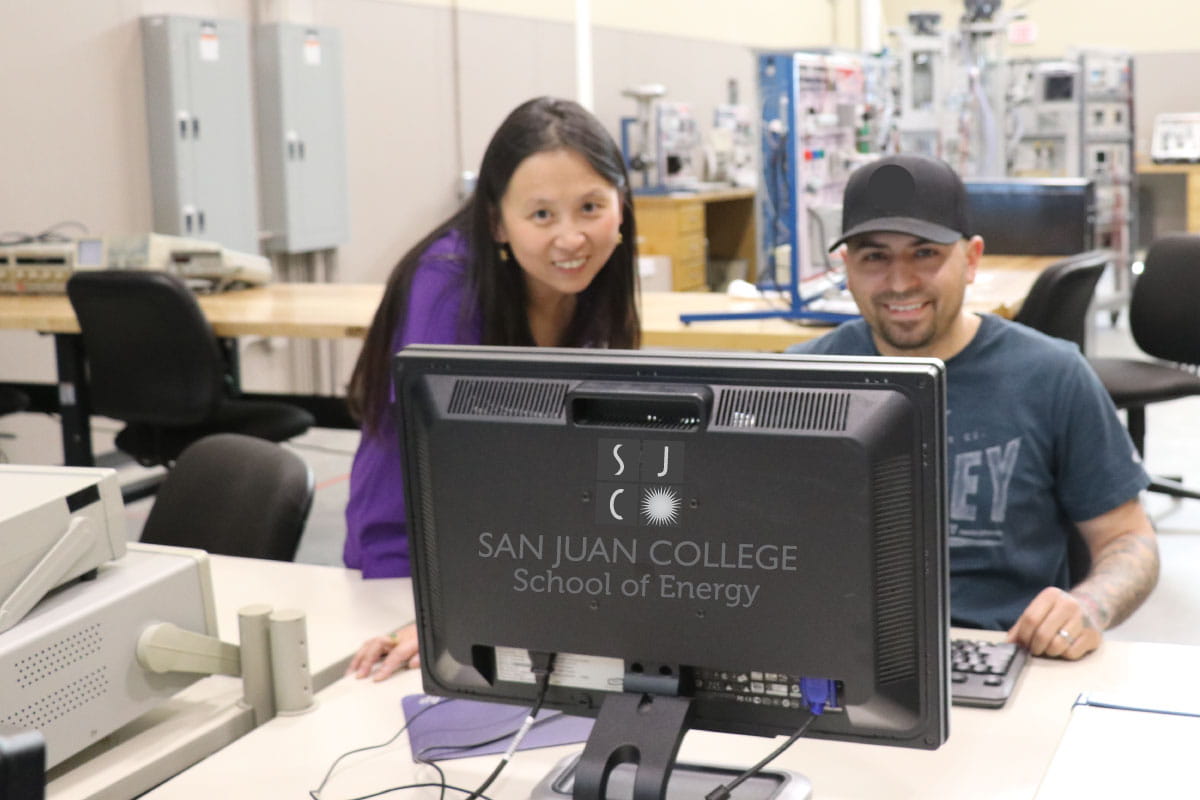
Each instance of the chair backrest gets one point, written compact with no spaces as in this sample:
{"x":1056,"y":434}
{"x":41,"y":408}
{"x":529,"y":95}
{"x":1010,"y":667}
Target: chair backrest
{"x":12,"y":400}
{"x":151,"y":354}
{"x":234,"y":495}
{"x":1058,"y":303}
{"x":1163,"y":311}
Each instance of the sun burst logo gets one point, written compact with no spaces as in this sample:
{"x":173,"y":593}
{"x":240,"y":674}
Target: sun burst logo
{"x":660,"y":506}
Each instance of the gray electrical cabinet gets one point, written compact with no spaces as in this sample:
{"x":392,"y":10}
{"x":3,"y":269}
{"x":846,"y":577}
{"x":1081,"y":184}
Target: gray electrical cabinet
{"x":302,"y":139}
{"x":198,"y":114}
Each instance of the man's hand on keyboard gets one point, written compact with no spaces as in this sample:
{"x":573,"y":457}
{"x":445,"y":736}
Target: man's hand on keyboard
{"x":1056,"y":625}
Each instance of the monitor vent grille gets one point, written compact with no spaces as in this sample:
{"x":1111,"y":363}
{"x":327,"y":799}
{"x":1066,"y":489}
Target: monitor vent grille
{"x":66,"y":699}
{"x":783,"y":409}
{"x":428,"y":522}
{"x":895,"y":589}
{"x":478,"y":397}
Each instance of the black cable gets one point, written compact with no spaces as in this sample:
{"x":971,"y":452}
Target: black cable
{"x":441,"y":784}
{"x":541,"y":664}
{"x":408,"y":787}
{"x":424,"y":756}
{"x":724,"y":791}
{"x":490,"y":779}
{"x":50,"y":234}
{"x":315,"y":793}
{"x":420,"y":759}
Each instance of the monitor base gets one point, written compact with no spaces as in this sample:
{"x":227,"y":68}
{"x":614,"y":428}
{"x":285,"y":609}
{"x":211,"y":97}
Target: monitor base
{"x":687,"y":782}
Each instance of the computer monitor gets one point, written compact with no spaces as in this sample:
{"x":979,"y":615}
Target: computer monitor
{"x":695,"y":530}
{"x":1032,"y":216}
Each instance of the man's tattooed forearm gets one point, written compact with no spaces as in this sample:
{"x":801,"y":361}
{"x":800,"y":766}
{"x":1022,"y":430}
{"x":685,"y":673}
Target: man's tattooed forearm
{"x":1122,"y":576}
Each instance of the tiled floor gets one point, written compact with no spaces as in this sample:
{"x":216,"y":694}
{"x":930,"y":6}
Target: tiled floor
{"x":1173,"y":447}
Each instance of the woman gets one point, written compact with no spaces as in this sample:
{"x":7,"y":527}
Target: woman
{"x":542,"y":254}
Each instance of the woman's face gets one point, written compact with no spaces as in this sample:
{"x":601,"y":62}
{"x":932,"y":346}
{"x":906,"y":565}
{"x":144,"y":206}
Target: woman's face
{"x":562,"y":221}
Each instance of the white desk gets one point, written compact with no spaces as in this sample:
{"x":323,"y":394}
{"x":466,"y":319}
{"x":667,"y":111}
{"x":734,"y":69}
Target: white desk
{"x":991,"y":753}
{"x":342,"y":608}
{"x":342,"y":611}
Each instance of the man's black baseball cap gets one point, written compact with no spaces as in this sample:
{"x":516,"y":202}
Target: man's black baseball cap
{"x":911,"y":194}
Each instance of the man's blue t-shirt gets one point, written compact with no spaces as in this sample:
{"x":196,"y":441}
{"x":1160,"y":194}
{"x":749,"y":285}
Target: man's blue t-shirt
{"x":1034,"y":445}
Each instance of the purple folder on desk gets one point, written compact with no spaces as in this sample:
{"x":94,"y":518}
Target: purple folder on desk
{"x":454,"y":728}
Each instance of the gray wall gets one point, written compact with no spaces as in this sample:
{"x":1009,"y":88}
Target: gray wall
{"x":74,"y":145}
{"x":1162,"y":83}
{"x":74,"y":141}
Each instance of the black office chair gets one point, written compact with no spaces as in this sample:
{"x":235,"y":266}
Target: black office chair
{"x":1057,"y":305}
{"x":155,"y":364}
{"x":233,"y":495}
{"x":1058,"y":302}
{"x":1165,"y":324}
{"x":12,"y":400}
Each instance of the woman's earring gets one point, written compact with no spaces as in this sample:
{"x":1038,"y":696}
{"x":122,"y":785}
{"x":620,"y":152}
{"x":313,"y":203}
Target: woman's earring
{"x":502,"y":252}
{"x":620,"y":237}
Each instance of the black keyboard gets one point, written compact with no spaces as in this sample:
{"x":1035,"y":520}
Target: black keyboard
{"x":983,"y":673}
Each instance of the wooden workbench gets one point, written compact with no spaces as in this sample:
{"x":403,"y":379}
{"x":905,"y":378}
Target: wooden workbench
{"x":1000,"y":286}
{"x":344,"y":311}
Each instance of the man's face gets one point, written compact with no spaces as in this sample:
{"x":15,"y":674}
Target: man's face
{"x":910,"y":290}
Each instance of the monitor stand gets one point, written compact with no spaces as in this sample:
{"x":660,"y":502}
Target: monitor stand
{"x":687,"y":782}
{"x":630,"y":755}
{"x":641,"y":729}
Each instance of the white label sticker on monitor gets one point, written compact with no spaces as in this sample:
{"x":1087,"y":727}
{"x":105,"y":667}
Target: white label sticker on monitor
{"x":581,"y":672}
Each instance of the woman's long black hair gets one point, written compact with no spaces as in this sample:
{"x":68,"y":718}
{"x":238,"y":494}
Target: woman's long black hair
{"x":606,"y":312}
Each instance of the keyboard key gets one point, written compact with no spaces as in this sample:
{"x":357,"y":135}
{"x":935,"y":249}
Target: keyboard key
{"x":984,"y":673}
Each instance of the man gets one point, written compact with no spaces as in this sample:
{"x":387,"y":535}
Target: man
{"x":1036,"y":451}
